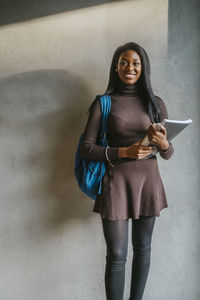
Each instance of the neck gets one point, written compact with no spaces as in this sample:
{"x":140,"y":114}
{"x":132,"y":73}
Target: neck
{"x":129,"y":89}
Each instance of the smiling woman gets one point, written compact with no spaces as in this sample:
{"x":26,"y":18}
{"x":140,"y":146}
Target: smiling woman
{"x":129,"y":67}
{"x":131,"y":188}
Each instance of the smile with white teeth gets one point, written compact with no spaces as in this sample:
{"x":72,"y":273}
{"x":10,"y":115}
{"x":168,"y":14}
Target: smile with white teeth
{"x":130,"y":75}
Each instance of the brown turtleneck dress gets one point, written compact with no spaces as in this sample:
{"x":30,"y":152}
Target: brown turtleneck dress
{"x":132,"y":187}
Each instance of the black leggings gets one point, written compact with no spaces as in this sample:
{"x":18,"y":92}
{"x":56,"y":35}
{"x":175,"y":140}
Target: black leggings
{"x":116,"y":237}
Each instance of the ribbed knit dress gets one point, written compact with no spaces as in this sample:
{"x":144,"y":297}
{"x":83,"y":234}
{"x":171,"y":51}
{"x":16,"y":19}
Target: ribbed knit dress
{"x":132,"y":187}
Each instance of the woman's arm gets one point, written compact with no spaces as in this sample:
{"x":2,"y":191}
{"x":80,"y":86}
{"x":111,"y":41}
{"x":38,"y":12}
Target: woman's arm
{"x":89,"y":149}
{"x":166,"y":154}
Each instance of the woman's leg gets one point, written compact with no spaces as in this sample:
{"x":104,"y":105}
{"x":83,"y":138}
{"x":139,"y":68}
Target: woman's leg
{"x":142,"y":230}
{"x":116,"y":237}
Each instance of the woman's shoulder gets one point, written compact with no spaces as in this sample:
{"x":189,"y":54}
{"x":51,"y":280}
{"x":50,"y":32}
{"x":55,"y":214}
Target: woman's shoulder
{"x":95,"y":105}
{"x":161,"y":102}
{"x":159,"y":99}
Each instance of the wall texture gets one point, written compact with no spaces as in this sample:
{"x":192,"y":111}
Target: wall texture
{"x":51,"y":68}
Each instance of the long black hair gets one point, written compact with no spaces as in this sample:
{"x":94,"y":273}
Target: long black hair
{"x":143,"y":83}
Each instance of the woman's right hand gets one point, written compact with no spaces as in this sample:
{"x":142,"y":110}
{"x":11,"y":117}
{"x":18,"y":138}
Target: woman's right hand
{"x":136,"y":150}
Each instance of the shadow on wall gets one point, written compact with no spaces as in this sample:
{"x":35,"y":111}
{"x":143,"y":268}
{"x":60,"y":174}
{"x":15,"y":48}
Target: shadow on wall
{"x":18,"y":11}
{"x":42,"y":116}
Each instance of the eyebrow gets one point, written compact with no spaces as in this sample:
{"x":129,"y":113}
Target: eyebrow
{"x":137,"y":59}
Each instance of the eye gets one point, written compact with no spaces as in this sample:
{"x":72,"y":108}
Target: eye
{"x":122,"y":63}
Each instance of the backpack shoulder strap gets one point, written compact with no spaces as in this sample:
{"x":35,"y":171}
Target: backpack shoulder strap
{"x":105,"y":111}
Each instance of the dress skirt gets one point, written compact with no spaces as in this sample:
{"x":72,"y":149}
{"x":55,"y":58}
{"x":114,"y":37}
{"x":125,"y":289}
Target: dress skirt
{"x":130,"y":189}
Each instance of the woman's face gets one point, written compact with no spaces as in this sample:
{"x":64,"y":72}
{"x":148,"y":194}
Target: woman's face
{"x":129,"y":67}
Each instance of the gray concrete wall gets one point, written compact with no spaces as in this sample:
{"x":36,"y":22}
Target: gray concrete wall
{"x":51,"y":68}
{"x":182,"y":76}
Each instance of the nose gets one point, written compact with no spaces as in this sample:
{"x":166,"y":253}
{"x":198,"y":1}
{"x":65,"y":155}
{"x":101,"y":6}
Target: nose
{"x":130,"y":67}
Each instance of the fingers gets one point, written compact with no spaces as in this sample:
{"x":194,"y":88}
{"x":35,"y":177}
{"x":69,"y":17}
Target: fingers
{"x":152,"y":128}
{"x":151,"y":131}
{"x":146,"y":148}
{"x":139,"y":151}
{"x":144,"y":153}
{"x":154,"y":135}
{"x":163,"y":130}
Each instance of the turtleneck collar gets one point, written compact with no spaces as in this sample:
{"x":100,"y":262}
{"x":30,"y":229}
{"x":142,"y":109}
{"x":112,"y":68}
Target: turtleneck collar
{"x":127,"y":89}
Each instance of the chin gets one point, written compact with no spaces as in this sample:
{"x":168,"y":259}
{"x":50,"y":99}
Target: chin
{"x":130,"y":81}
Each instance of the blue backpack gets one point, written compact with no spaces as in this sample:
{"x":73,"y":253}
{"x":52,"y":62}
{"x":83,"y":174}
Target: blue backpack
{"x":89,"y":173}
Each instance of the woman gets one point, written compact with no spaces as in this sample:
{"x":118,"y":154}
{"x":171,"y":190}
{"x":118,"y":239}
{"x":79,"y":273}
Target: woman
{"x":132,"y":186}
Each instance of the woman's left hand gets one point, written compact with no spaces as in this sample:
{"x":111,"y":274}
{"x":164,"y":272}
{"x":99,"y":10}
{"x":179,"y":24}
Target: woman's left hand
{"x":158,"y":137}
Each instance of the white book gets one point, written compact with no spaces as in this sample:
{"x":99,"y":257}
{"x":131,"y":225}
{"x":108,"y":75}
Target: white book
{"x":173,"y":127}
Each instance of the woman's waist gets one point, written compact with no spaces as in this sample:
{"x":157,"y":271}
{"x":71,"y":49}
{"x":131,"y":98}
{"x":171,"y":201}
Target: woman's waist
{"x":127,"y":159}
{"x":133,"y":165}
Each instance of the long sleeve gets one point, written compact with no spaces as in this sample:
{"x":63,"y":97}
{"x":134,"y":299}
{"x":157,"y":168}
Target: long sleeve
{"x":89,"y":149}
{"x":166,"y":154}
